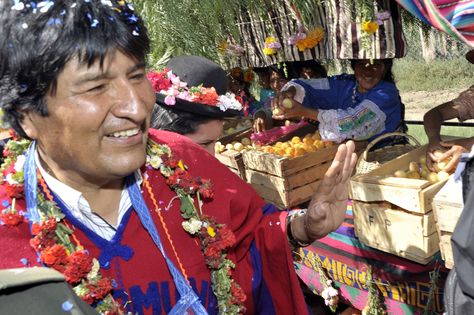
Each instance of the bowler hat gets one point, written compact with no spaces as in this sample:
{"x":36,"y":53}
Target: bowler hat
{"x":196,"y":85}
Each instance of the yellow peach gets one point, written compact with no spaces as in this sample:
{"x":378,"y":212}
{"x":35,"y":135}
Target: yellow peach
{"x":296,"y":139}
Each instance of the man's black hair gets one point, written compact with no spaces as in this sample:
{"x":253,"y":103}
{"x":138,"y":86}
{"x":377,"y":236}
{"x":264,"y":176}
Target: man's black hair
{"x":39,"y":38}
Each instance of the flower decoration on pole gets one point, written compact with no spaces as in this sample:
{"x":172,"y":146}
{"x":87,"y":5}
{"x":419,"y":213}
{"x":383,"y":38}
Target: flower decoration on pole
{"x":230,"y":49}
{"x":306,"y":40}
{"x":382,"y":16}
{"x":370,"y":27}
{"x":271,"y":46}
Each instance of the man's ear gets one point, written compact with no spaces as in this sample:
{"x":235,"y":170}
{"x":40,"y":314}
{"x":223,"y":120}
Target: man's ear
{"x":28,"y":124}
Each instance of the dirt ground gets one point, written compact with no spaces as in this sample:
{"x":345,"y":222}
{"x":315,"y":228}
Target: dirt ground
{"x":419,"y":102}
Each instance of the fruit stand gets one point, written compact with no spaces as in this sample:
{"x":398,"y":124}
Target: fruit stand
{"x":385,"y":204}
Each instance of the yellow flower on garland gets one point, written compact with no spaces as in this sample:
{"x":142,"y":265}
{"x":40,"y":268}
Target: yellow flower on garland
{"x":223,"y":45}
{"x":370,"y":27}
{"x":272,"y":46}
{"x":311,"y":40}
{"x":211,"y":231}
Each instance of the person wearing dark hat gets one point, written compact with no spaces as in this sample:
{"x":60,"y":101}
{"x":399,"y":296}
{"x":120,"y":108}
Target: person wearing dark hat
{"x":137,"y":220}
{"x":201,"y":122}
{"x":461,"y":108}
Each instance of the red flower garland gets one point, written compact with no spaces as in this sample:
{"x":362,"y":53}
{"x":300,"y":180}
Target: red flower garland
{"x":11,"y":218}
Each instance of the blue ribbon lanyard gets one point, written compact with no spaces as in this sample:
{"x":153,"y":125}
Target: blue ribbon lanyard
{"x":31,"y":183}
{"x":188,"y":296}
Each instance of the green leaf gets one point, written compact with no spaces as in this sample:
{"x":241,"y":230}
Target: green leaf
{"x":187,"y":205}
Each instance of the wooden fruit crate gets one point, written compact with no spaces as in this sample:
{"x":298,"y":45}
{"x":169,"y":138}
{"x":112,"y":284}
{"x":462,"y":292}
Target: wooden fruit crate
{"x":232,"y":158}
{"x":447,"y":208}
{"x":415,"y":195}
{"x":288,"y":182}
{"x":233,"y":126}
{"x":391,"y":229}
{"x":446,"y":249}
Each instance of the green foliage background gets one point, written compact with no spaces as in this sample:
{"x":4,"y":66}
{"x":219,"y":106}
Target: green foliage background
{"x":197,"y":27}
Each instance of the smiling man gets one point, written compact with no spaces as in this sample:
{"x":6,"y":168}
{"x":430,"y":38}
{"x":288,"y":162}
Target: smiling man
{"x":136,"y":220}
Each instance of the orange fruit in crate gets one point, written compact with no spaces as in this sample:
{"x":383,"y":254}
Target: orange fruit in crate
{"x":298,"y":145}
{"x":310,"y":148}
{"x":295,"y":139}
{"x":278,"y":144}
{"x":316,"y":136}
{"x":308,"y":140}
{"x":318,"y":144}
{"x":268,"y":149}
{"x":285,"y":145}
{"x":299,"y":152}
{"x":290,"y":151}
{"x":279,"y":152}
{"x":328,"y":144}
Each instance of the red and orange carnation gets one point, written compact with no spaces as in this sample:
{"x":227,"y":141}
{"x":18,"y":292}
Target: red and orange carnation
{"x":14,"y":191}
{"x":98,"y":290}
{"x":55,"y":256}
{"x":11,"y":218}
{"x":45,"y":227}
{"x":238,"y":295}
{"x":159,"y":80}
{"x":227,"y":237}
{"x":206,"y":96}
{"x":79,"y":265}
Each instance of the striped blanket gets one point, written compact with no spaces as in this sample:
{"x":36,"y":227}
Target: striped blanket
{"x":405,"y":285}
{"x":343,"y":34}
{"x":456,"y":18}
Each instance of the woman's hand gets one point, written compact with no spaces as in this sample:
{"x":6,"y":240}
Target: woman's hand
{"x":452,"y":151}
{"x":430,"y":157}
{"x":259,"y":124}
{"x":285,"y":107}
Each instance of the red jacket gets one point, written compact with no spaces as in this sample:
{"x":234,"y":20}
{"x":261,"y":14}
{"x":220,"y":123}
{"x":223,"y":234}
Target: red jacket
{"x":264,"y":266}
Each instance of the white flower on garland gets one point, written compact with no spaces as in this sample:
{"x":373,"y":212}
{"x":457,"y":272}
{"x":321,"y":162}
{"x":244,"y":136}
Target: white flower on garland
{"x":20,"y":162}
{"x":330,"y":295}
{"x":192,"y":226}
{"x":228,"y":101}
{"x":155,"y":161}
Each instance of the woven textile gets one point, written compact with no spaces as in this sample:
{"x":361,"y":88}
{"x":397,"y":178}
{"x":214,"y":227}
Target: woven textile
{"x":404,"y":284}
{"x":455,"y":18}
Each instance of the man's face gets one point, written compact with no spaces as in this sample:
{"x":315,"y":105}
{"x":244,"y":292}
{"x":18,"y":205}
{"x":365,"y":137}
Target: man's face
{"x":96,"y":130}
{"x":368,"y":74}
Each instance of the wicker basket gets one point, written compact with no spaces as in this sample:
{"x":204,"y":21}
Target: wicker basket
{"x":370,"y":160}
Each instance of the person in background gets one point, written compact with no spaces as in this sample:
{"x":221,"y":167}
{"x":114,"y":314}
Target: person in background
{"x":278,"y":76}
{"x":310,"y":69}
{"x":361,"y":106}
{"x":201,"y":123}
{"x":461,"y":108}
{"x":137,"y":220}
{"x":239,"y":84}
{"x":265,"y":92}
